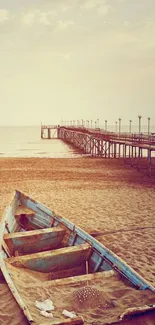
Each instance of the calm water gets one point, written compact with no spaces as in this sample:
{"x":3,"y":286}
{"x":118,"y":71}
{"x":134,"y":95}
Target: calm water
{"x":26,"y":142}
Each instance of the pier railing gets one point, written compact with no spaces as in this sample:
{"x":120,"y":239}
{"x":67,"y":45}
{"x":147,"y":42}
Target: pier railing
{"x":49,"y":126}
{"x":132,"y":138}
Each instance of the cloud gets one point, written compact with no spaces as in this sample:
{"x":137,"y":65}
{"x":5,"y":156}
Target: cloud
{"x":33,"y":17}
{"x":90,"y":4}
{"x":63,"y":24}
{"x":126,"y":23}
{"x":104,"y":9}
{"x":126,"y":38}
{"x":101,"y":6}
{"x":43,"y":19}
{"x":66,"y":56}
{"x":28,"y":18}
{"x":4,"y":15}
{"x":36,"y":16}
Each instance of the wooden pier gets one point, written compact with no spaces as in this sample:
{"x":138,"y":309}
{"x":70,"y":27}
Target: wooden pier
{"x":136,"y":149}
{"x":46,"y":131}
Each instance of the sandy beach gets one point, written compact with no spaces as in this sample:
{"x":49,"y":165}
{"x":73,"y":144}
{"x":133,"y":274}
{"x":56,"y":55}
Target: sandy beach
{"x":104,"y":197}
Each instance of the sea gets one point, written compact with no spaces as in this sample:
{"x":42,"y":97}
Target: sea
{"x":25,"y":141}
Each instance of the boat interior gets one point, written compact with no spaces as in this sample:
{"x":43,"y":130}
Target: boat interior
{"x":36,"y":239}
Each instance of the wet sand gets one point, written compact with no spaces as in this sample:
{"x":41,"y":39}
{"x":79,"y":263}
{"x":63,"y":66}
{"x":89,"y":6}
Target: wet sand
{"x":102,"y":196}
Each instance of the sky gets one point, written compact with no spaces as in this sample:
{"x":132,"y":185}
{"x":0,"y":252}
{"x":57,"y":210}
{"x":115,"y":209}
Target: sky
{"x":76,"y":59}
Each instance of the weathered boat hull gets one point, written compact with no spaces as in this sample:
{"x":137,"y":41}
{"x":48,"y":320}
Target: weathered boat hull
{"x":32,"y":236}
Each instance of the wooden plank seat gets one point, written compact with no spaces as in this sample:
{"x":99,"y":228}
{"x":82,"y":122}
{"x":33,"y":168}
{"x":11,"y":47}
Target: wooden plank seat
{"x":57,"y":260}
{"x":23,"y":219}
{"x":32,"y":221}
{"x":34,"y":241}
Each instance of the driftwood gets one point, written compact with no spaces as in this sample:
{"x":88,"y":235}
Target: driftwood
{"x":136,"y":311}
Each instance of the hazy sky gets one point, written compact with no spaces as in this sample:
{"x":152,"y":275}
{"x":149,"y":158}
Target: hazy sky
{"x":74,"y":59}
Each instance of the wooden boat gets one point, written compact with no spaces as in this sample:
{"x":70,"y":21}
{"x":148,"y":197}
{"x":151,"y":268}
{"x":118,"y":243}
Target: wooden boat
{"x":35,"y":238}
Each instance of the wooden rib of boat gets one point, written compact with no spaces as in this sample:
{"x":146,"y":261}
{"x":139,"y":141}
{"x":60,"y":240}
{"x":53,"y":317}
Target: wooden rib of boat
{"x":33,"y":237}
